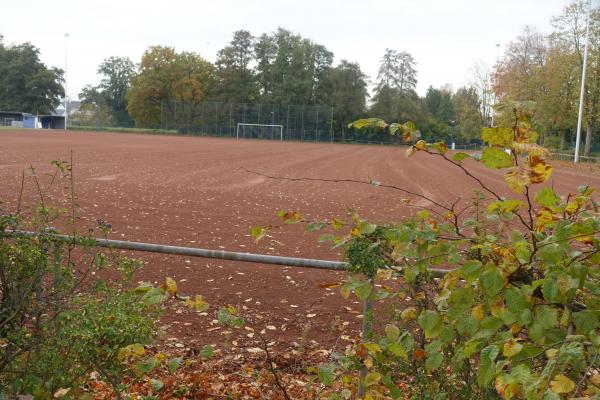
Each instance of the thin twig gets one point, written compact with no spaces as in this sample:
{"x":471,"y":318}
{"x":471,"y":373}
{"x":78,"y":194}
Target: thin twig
{"x":350,"y":181}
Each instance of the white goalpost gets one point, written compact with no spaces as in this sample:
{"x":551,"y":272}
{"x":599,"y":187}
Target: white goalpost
{"x":241,"y":130}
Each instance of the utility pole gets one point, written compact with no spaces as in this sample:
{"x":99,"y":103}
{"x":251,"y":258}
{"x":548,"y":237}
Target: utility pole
{"x":66,"y":106}
{"x":581,"y":93}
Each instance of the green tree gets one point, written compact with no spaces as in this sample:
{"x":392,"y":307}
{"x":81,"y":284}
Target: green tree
{"x":291,"y":69}
{"x":344,"y":87}
{"x":235,"y":79}
{"x":26,"y":84}
{"x":166,"y":75}
{"x":468,"y":117}
{"x":117,"y":73}
{"x":394,"y":96}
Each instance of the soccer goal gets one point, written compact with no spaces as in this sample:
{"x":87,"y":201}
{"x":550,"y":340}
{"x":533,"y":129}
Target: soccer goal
{"x":259,"y":131}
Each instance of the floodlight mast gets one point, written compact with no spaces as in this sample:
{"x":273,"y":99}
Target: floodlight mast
{"x":66,"y":106}
{"x":582,"y":91}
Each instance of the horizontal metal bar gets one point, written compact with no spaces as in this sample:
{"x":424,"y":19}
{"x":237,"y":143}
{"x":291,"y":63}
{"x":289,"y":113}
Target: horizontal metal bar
{"x":206,"y":253}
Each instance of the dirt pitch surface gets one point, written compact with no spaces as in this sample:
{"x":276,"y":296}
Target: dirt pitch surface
{"x":192,"y":191}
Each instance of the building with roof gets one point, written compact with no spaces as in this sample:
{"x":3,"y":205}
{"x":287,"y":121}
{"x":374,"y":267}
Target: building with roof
{"x":18,"y":119}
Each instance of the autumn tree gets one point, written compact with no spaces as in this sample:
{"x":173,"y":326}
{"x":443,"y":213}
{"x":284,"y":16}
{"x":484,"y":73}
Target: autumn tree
{"x":167,"y":75}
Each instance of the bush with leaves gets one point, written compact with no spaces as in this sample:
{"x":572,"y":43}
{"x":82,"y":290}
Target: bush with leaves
{"x":61,"y":320}
{"x":517,"y":316}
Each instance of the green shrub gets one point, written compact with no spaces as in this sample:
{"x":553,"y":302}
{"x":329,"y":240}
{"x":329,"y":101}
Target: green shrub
{"x":518,"y":315}
{"x":60,"y":321}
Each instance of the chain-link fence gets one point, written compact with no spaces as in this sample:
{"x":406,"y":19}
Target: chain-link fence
{"x":303,"y":123}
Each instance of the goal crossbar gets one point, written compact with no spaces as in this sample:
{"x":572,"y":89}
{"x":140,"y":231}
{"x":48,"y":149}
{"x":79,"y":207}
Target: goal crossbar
{"x":241,"y":124}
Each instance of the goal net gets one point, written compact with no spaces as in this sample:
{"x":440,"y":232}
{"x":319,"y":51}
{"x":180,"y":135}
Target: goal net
{"x":259,"y":131}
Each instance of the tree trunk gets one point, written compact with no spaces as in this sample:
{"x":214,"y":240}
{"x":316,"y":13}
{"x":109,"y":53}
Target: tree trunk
{"x":563,"y":139}
{"x":588,"y":140}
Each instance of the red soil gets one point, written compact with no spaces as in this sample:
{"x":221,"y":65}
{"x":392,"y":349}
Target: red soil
{"x":191,"y":191}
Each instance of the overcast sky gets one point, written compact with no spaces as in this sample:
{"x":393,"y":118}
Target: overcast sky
{"x":446,"y":38}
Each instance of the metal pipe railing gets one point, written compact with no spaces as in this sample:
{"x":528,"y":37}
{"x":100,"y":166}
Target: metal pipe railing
{"x":206,"y":253}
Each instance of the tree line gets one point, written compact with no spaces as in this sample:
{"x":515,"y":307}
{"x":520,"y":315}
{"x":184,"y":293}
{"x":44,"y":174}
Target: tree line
{"x":547,"y":68}
{"x":281,"y":68}
{"x":284,"y":68}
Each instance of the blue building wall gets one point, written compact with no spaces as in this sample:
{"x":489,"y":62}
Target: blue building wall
{"x":28,"y":121}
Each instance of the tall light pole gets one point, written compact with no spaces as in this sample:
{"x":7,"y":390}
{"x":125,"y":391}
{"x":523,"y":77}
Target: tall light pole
{"x":66,"y":106}
{"x":492,"y":95}
{"x":581,"y":92}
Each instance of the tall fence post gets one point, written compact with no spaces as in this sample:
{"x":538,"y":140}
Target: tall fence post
{"x":331,"y":125}
{"x":302,"y":134}
{"x":317,"y":126}
{"x":287,"y":122}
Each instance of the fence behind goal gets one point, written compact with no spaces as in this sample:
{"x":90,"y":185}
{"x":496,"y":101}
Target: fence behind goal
{"x":303,"y":123}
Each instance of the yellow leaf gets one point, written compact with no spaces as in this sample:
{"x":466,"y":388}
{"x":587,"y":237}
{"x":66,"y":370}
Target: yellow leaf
{"x":540,"y":171}
{"x":197,"y":303}
{"x":345,"y":292}
{"x":385,"y":274}
{"x":562,"y":384}
{"x":551,"y":353}
{"x":441,"y":147}
{"x":134,"y":350}
{"x":544,"y":219}
{"x":421,"y":145}
{"x":408,"y":314}
{"x":410,"y":151}
{"x":497,"y":136}
{"x":511,"y":348}
{"x":61,"y":393}
{"x":477,"y":312}
{"x":531,"y":149}
{"x":170,"y":286}
{"x":516,"y":179}
{"x":372,"y":378}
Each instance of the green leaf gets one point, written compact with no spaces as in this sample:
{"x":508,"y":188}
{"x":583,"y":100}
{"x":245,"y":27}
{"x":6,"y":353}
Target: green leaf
{"x":315,"y":226}
{"x":258,"y":232}
{"x":433,"y":361}
{"x":368,"y":123}
{"x":156,"y":384}
{"x":586,"y":321}
{"x":173,"y":364}
{"x":547,"y":198}
{"x":471,"y":270}
{"x":392,"y":332}
{"x":363,"y":290}
{"x":460,"y":156}
{"x":492,"y":282}
{"x":431,"y":322}
{"x":487,"y":368}
{"x":153,"y":296}
{"x":207,"y":351}
{"x":493,"y":157}
{"x":325,"y":374}
{"x":395,"y":392}
{"x":398,"y":350}
{"x":147,"y":366}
